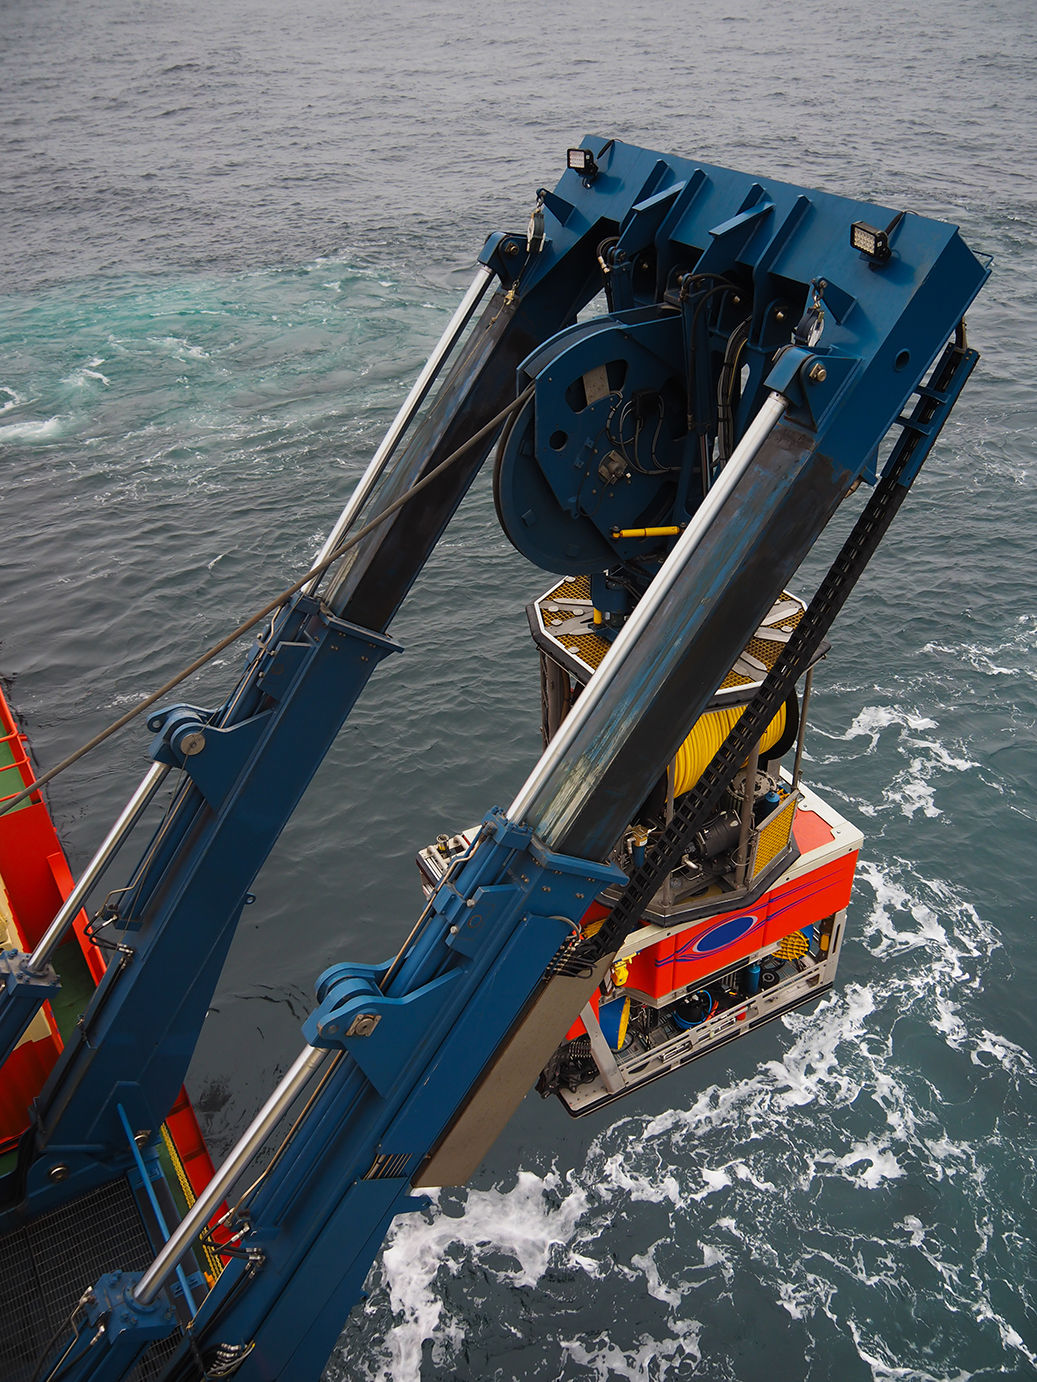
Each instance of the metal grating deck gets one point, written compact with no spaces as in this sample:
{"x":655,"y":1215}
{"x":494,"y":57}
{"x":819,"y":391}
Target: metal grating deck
{"x":45,"y":1267}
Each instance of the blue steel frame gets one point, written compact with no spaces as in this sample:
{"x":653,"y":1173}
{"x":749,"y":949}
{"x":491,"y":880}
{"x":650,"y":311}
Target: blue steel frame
{"x":459,"y":989}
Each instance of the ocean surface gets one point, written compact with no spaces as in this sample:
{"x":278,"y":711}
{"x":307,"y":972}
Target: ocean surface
{"x":230,"y":234}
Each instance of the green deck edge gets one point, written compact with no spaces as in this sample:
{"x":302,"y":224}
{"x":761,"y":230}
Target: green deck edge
{"x":10,"y":777}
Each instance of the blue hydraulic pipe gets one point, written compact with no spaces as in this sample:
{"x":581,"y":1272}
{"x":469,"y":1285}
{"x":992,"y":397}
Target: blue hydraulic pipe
{"x":153,"y":1198}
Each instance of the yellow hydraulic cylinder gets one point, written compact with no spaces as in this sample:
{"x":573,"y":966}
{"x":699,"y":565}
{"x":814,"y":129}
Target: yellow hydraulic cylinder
{"x":671,"y":531}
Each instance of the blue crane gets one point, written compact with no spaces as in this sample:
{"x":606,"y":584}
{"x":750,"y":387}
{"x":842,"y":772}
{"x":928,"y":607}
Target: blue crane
{"x":682,"y":450}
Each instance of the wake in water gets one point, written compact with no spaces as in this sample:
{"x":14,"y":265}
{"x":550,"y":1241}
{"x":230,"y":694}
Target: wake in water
{"x":816,"y":1219}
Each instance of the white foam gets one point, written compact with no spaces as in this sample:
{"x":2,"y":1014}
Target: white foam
{"x":873,"y":719}
{"x":885,"y":1369}
{"x":179,"y":347}
{"x":737,"y":1182}
{"x":30,"y":431}
{"x":1011,"y":656}
{"x":880,"y":1165}
{"x":645,"y":1262}
{"x":79,"y":378}
{"x":652,"y":1360}
{"x":913,"y":788}
{"x":527,"y":1225}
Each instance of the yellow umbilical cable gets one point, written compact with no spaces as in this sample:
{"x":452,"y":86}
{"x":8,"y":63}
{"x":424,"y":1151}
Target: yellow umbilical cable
{"x":704,"y":741}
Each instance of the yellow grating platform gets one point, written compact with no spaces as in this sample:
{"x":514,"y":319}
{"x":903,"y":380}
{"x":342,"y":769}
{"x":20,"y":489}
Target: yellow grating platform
{"x":734,"y":679}
{"x":572,"y":588}
{"x":573,"y":595}
{"x":793,"y":946}
{"x":588,"y":647}
{"x":555,"y":616}
{"x":765,"y":649}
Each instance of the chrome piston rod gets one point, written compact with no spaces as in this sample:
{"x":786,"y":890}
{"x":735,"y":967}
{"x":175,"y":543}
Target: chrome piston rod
{"x":742,"y":457}
{"x":198,"y":1216}
{"x":405,"y":416}
{"x":128,"y":818}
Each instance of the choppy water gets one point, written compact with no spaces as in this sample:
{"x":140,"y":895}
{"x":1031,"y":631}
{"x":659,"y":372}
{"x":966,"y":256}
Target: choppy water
{"x":230,"y":233}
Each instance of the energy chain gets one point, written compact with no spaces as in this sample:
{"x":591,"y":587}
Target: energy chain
{"x":700,"y":804}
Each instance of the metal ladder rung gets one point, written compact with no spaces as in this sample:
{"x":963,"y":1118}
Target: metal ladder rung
{"x":925,"y":429}
{"x":937,"y":395}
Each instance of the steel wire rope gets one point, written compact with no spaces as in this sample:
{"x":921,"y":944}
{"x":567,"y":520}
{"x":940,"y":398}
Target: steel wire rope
{"x":8,"y":803}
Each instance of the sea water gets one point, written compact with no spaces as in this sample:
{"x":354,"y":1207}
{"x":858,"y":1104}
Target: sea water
{"x":230,"y":235}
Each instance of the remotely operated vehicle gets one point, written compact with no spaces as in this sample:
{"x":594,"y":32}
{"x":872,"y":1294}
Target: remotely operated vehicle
{"x":680,"y":374}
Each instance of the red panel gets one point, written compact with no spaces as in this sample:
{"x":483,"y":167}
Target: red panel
{"x":187,"y":1135}
{"x":24,"y":1074}
{"x":811,"y":831}
{"x":651,"y":970}
{"x":720,"y":942}
{"x":26,"y":838}
{"x":190,"y":1144}
{"x":811,"y":898}
{"x":62,"y":876}
{"x":38,"y":880}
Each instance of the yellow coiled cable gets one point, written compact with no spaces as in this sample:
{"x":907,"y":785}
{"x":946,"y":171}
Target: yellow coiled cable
{"x":695,"y":754}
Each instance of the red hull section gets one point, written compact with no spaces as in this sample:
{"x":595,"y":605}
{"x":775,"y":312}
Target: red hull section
{"x":30,"y":897}
{"x":36,"y":880}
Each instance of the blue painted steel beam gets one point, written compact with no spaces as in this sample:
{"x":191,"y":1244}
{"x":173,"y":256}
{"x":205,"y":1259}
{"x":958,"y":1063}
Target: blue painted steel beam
{"x":418,"y":1038}
{"x":263,"y":746}
{"x":319,"y":1219}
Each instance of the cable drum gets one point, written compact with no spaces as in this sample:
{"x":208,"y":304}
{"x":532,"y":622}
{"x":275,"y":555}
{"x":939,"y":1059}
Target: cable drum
{"x":705,"y":740}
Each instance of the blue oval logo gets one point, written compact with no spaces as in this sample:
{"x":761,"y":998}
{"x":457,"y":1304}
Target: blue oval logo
{"x":721,"y":936}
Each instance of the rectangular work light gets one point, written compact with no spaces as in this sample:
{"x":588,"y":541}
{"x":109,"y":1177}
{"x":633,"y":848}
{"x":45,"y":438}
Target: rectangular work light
{"x":874,"y":243}
{"x":582,"y":161}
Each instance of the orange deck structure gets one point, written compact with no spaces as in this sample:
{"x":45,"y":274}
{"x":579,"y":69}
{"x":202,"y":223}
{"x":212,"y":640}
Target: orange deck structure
{"x":35,"y":880}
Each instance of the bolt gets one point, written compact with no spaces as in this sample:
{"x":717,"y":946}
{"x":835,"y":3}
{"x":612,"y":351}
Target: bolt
{"x":192,"y":743}
{"x":822,"y":284}
{"x":58,"y":1173}
{"x":454,"y":930}
{"x":470,"y":902}
{"x":818,"y":374}
{"x":141,"y":1138}
{"x":779,"y":316}
{"x":511,"y":248}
